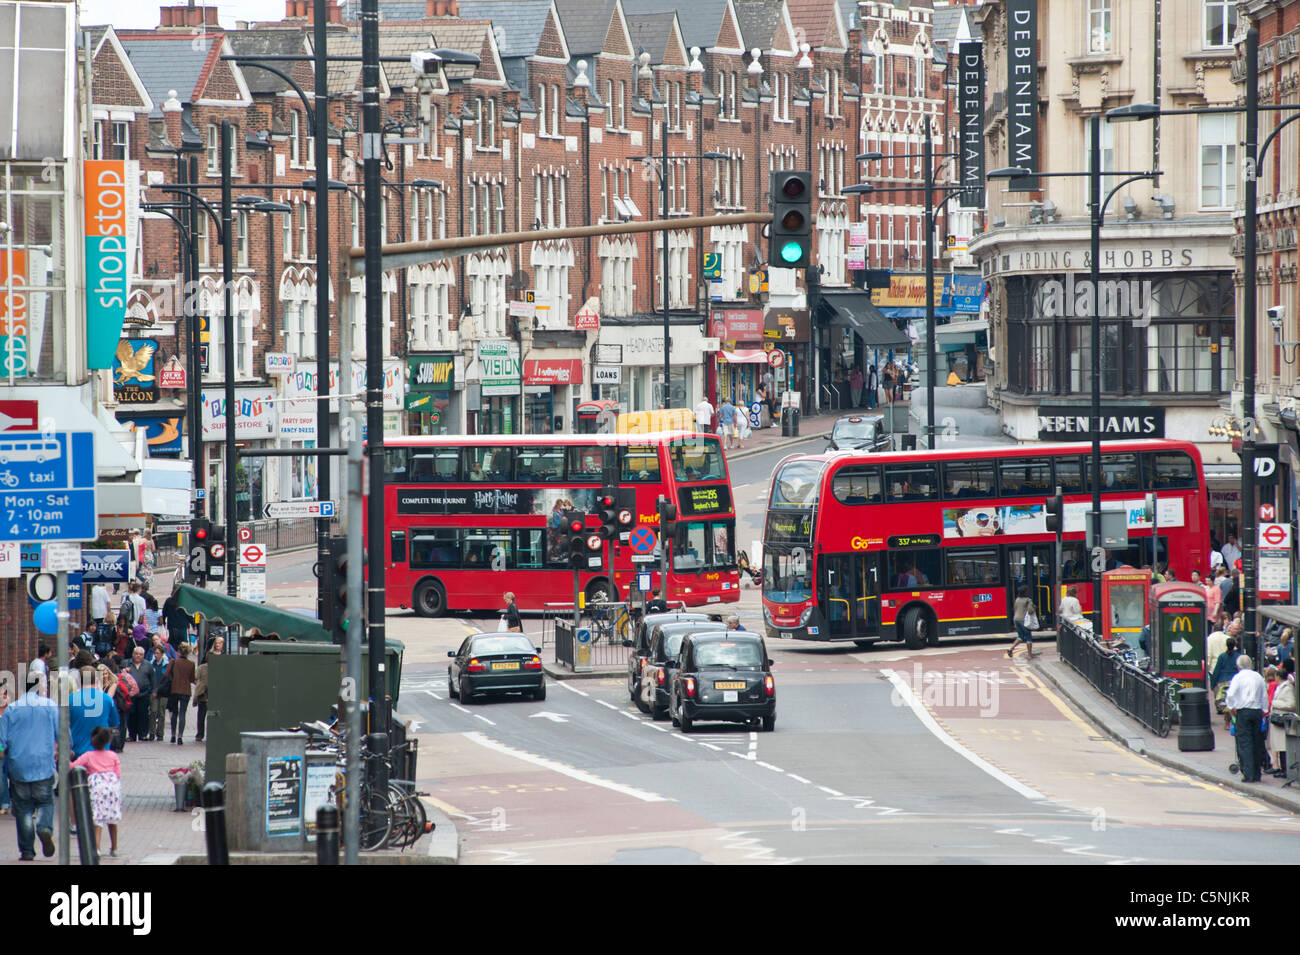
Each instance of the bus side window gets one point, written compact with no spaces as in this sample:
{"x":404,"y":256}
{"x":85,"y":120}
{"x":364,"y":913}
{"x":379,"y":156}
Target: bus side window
{"x":395,"y":463}
{"x":397,"y":547}
{"x":528,"y":548}
{"x":968,"y":479}
{"x":1071,"y":475}
{"x":912,"y":569}
{"x":915,"y":483}
{"x":1172,"y":470}
{"x":1119,"y":472}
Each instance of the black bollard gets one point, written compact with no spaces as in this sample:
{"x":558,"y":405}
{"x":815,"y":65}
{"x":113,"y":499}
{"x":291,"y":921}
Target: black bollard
{"x":1194,"y":731}
{"x":327,"y":836}
{"x":79,"y":790}
{"x":213,"y":798}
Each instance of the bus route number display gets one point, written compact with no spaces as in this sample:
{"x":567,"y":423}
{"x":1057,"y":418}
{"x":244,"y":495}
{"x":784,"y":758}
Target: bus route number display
{"x":912,"y":540}
{"x":704,"y":500}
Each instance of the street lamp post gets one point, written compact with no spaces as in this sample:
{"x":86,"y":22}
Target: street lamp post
{"x":927,"y":156}
{"x":662,"y":172}
{"x":1096,"y":217}
{"x":1255,"y":152}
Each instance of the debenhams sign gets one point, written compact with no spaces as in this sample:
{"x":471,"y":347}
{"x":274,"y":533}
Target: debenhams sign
{"x":1066,"y":423}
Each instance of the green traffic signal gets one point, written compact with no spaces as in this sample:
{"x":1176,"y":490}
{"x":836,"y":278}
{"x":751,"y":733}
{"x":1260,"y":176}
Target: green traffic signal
{"x":791,"y":252}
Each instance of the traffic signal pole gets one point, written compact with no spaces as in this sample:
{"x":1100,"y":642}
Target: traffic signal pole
{"x":352,"y":673}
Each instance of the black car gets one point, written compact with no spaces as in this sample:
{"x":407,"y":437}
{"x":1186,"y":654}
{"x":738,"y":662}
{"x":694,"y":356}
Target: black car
{"x":495,"y":663}
{"x":640,"y":644}
{"x":860,"y":433}
{"x":661,"y":663}
{"x":724,"y":677}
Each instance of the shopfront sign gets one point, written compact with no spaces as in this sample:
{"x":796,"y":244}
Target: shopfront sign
{"x":606,"y":374}
{"x":14,"y":327}
{"x":254,"y":414}
{"x":279,"y":363}
{"x":106,"y":258}
{"x":905,"y":291}
{"x":970,"y":99}
{"x":786,"y":325}
{"x":163,"y":433}
{"x":553,"y":371}
{"x":738,"y":324}
{"x":498,"y":364}
{"x":431,"y":372}
{"x":135,"y":375}
{"x":1022,"y":91}
{"x":588,"y":317}
{"x":1070,"y":422}
{"x":641,"y":346}
{"x":172,"y":374}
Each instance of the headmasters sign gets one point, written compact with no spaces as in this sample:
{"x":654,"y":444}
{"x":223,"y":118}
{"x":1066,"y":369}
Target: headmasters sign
{"x":1069,"y":423}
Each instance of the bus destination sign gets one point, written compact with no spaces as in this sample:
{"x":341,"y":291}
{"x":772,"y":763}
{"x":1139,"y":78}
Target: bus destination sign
{"x":912,"y":540}
{"x":704,"y":500}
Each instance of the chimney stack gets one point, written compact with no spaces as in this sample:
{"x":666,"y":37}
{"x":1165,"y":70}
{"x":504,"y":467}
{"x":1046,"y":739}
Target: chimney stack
{"x":185,"y":16}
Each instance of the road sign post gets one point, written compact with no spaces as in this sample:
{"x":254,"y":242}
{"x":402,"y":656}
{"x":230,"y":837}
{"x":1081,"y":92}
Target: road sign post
{"x":307,"y":507}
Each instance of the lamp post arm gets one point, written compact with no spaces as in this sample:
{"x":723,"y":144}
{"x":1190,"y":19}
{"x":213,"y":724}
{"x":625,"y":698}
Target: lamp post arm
{"x":185,"y":232}
{"x":1268,"y":140}
{"x":1101,"y":213}
{"x":306,"y":104}
{"x":207,"y":206}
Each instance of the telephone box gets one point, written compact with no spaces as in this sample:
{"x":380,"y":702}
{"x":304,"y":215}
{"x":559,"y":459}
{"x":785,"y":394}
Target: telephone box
{"x":1179,"y":650}
{"x":1124,"y":610}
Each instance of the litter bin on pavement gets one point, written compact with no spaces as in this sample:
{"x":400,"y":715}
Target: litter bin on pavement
{"x":787,"y":422}
{"x":1195,"y":734}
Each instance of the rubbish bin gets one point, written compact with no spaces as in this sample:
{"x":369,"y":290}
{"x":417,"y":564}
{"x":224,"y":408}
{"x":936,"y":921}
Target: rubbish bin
{"x":909,"y":442}
{"x":794,"y":424}
{"x":1194,"y":732}
{"x":787,"y":422}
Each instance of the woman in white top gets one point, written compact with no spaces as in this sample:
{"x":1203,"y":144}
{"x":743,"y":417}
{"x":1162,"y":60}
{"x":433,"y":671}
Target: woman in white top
{"x":1070,"y":610}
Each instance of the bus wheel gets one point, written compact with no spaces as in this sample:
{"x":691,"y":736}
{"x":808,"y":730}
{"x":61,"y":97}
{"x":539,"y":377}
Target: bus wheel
{"x":915,"y":629}
{"x":598,"y":591}
{"x":430,"y":599}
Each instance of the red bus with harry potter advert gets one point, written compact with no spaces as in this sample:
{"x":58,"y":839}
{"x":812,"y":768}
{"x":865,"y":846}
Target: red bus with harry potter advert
{"x":472,"y":516}
{"x":917,"y":545}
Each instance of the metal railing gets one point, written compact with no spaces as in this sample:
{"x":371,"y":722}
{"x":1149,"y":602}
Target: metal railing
{"x":1148,"y":699}
{"x":606,"y":646}
{"x":273,"y":535}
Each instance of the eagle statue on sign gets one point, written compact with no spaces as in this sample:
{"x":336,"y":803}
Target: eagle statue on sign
{"x":133,"y":362}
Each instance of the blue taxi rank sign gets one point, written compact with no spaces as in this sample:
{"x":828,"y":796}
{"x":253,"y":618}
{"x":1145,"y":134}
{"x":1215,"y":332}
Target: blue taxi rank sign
{"x":47,"y":487}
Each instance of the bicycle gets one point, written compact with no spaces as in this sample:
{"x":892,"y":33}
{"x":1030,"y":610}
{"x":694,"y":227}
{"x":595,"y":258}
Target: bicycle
{"x":610,"y":622}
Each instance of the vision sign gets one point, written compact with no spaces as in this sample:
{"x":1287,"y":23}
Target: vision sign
{"x":106,"y":272}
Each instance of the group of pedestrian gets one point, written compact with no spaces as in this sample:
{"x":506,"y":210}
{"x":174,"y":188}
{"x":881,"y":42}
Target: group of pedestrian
{"x":115,"y":700}
{"x":1252,"y":701}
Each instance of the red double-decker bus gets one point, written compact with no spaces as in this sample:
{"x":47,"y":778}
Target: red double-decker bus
{"x":470,"y":517}
{"x":917,"y":545}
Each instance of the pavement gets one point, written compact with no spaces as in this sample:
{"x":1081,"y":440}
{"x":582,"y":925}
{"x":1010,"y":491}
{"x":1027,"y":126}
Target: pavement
{"x":1210,"y":766}
{"x":152,"y":832}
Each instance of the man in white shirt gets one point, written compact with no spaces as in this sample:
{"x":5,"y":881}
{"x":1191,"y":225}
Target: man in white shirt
{"x":1247,"y":700}
{"x":1216,"y":561}
{"x":704,"y":416}
{"x":98,"y":604}
{"x":1231,"y":552}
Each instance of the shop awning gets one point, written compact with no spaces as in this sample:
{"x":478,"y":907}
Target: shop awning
{"x":751,"y":356}
{"x":958,"y":334}
{"x":269,"y":620}
{"x":854,"y":310}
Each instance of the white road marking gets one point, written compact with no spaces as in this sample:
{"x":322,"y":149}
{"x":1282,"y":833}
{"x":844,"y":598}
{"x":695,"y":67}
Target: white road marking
{"x":479,"y":716}
{"x":574,"y":690}
{"x":457,"y":706}
{"x":907,"y":696}
{"x":799,"y":779}
{"x":432,"y":694}
{"x":607,"y":705}
{"x":564,"y":770}
{"x":775,"y":769}
{"x":717,"y":749}
{"x":827,"y":789}
{"x":631,"y":716}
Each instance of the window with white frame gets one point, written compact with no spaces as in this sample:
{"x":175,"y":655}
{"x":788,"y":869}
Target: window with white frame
{"x":541,"y":109}
{"x":622,"y":104}
{"x":832,"y":232}
{"x":1218,"y":133}
{"x":413,"y":232}
{"x":557,"y":110}
{"x":617,"y":290}
{"x":878,"y":73}
{"x":247,"y":309}
{"x":286,"y":231}
{"x":485,"y":123}
{"x":295,"y":139}
{"x":610,"y":114}
{"x":831,"y":85}
{"x":551,"y":264}
{"x":355,"y":204}
{"x":213,"y":151}
{"x":304,"y":232}
{"x":488,"y":275}
{"x":499,"y":207}
{"x":357,"y":309}
{"x":203,"y":240}
{"x":920,"y":75}
{"x":1219,"y":22}
{"x":241,"y":240}
{"x":1098,"y":26}
{"x":729,"y":243}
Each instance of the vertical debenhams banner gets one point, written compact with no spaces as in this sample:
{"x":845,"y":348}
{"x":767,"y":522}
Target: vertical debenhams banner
{"x":1022,"y":90}
{"x":971,"y":112}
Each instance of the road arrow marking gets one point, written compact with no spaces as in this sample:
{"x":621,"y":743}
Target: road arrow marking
{"x":553,"y":717}
{"x":1181,"y":647}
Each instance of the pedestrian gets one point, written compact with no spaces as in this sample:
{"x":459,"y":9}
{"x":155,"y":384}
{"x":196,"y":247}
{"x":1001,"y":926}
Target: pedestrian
{"x":1070,"y":610}
{"x":161,"y":690}
{"x":656,"y":603}
{"x":98,"y":607}
{"x":727,"y":418}
{"x":1284,"y":701}
{"x":704,"y":416}
{"x":511,"y":613}
{"x":1025,"y":615}
{"x":89,"y":707}
{"x":855,"y":386}
{"x":1232,"y":596}
{"x":201,"y":689}
{"x":1213,"y":597}
{"x":182,"y":683}
{"x":1284,"y":648}
{"x":29,"y":729}
{"x":733,"y":623}
{"x":142,"y":673}
{"x":105,"y":778}
{"x":1231,"y":552}
{"x":1246,"y":701}
{"x":887,"y":378}
{"x":1217,"y":641}
{"x":1225,"y":668}
{"x":872,"y":385}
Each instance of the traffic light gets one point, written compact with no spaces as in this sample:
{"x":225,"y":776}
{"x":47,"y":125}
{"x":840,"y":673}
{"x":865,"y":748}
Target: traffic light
{"x":336,"y":596}
{"x":667,"y":518}
{"x":216,"y":546}
{"x":790,"y":235}
{"x":607,"y":508}
{"x":626,"y":517}
{"x":575,"y":539}
{"x":1055,"y":507}
{"x":200,"y":534}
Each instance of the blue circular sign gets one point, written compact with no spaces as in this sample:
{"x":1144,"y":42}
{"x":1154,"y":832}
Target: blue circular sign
{"x":642,"y":540}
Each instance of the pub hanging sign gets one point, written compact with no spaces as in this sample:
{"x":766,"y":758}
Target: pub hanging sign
{"x":135,"y":373}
